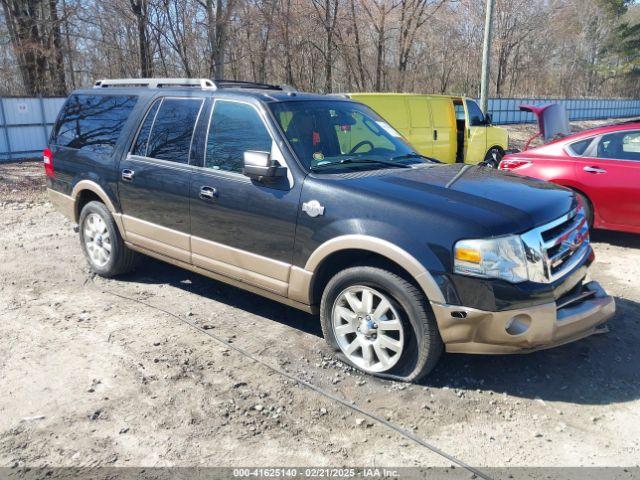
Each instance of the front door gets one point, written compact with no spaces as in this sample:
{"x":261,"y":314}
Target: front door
{"x":154,"y":178}
{"x":241,"y":228}
{"x":611,"y":177}
{"x":476,"y":133}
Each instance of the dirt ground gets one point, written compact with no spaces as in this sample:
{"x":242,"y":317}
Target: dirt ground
{"x":88,"y":378}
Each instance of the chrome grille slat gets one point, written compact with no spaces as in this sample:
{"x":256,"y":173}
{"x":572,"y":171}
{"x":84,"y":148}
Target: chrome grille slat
{"x":556,"y":248}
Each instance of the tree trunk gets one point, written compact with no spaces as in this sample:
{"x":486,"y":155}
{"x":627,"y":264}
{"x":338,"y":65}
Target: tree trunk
{"x":60,"y":81}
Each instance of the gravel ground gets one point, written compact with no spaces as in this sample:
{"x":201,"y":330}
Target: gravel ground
{"x":89,"y":378}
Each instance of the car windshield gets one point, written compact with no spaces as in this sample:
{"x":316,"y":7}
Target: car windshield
{"x":334,"y":136}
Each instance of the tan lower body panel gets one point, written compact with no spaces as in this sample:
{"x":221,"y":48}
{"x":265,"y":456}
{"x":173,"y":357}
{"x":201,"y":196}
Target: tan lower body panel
{"x":225,"y":279}
{"x":165,"y":241}
{"x":521,"y":331}
{"x":62,"y":203}
{"x":254,"y":269}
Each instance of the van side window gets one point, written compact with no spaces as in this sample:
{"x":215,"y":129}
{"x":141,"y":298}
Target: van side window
{"x":170,"y":137}
{"x":476,"y":117}
{"x":234,"y":129}
{"x":140,"y":145}
{"x":93,"y":122}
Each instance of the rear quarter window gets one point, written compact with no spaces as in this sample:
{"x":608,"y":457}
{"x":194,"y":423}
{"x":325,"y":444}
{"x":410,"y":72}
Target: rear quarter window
{"x":93,"y":122}
{"x":579,"y":148}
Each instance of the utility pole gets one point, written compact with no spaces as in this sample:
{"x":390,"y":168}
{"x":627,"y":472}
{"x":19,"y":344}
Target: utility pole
{"x":486,"y":53}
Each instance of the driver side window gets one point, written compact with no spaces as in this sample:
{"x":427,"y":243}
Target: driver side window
{"x":476,"y":117}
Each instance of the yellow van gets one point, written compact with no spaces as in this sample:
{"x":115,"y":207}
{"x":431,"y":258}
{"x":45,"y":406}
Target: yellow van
{"x":450,"y":129}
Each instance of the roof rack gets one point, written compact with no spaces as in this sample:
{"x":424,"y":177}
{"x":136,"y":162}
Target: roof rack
{"x":203,"y":83}
{"x":253,"y":85}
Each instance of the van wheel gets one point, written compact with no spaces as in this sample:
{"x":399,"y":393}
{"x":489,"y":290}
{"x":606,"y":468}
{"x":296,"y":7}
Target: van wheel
{"x":493,"y":158}
{"x":380,"y":323}
{"x":101,"y":242}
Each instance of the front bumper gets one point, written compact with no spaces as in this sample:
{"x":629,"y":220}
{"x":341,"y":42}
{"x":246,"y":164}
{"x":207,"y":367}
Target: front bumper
{"x":469,"y":330}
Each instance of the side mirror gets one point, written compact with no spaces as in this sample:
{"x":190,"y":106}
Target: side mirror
{"x":488,"y":119}
{"x":259,"y":166}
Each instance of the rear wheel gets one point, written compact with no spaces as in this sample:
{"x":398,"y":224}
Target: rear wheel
{"x":380,"y":323}
{"x":101,"y":242}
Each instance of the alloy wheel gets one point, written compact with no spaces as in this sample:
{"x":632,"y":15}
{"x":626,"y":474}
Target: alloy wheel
{"x":368,"y":328}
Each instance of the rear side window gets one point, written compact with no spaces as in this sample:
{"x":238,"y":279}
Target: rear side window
{"x":235,"y":128}
{"x":623,"y":145}
{"x":166,"y":134}
{"x":93,"y":122}
{"x":140,"y":146}
{"x":579,"y":148}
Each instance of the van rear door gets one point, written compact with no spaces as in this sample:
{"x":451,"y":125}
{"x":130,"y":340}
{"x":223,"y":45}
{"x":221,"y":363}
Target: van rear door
{"x":444,"y":129}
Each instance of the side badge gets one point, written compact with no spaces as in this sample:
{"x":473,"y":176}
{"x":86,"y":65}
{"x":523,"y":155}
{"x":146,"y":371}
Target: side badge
{"x":313,"y":208}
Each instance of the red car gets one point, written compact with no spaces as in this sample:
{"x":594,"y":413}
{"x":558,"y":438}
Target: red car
{"x":602,"y":165}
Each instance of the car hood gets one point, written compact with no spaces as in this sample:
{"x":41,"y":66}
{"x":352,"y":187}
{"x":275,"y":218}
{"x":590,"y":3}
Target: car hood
{"x":491,"y":201}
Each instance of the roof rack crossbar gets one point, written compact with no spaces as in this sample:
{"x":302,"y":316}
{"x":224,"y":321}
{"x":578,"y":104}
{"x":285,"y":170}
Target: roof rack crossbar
{"x":222,"y":83}
{"x":203,"y":83}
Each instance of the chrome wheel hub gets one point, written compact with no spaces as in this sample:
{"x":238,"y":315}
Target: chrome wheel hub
{"x":368,"y":328}
{"x":97,"y":240}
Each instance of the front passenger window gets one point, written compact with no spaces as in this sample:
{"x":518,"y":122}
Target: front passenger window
{"x":235,"y":128}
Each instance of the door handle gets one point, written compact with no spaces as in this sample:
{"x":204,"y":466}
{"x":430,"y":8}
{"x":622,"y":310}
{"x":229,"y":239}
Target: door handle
{"x":435,"y":134}
{"x":127,"y":175}
{"x":595,"y":170}
{"x":208,"y":193}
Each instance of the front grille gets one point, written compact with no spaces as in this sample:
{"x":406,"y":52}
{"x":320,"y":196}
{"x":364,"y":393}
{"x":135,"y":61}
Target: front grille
{"x":553,"y":250}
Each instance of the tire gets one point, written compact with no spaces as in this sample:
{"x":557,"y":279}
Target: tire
{"x":101,"y":242}
{"x":588,"y":208}
{"x":493,"y":157}
{"x":419,"y":337}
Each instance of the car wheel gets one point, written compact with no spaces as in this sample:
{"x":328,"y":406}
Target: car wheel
{"x":588,"y":208}
{"x":380,"y":323}
{"x":493,"y":158}
{"x":101,"y":242}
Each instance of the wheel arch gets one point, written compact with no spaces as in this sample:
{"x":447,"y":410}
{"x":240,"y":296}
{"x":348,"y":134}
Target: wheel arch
{"x":87,"y":190}
{"x":342,"y":252}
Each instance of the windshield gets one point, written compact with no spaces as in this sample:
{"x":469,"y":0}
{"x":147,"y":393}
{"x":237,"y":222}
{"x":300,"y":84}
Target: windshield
{"x":334,"y":136}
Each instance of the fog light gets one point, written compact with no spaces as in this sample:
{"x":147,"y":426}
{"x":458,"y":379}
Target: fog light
{"x":518,"y":325}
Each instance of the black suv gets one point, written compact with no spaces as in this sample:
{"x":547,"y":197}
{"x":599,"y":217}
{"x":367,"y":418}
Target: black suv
{"x":317,"y":202}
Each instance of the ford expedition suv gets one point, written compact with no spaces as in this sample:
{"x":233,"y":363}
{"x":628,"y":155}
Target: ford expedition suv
{"x":318,"y":203}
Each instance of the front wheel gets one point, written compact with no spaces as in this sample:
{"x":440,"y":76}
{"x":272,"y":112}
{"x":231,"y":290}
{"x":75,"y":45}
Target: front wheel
{"x":380,"y":323}
{"x":493,"y":157}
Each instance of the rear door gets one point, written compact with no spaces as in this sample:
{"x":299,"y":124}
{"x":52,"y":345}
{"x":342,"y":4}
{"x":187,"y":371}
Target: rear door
{"x":476,"y":133}
{"x":154,"y":178}
{"x":444,"y":129}
{"x":610,"y":173}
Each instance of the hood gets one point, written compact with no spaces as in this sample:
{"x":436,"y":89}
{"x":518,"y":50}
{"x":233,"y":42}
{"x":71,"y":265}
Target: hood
{"x":484,"y":200}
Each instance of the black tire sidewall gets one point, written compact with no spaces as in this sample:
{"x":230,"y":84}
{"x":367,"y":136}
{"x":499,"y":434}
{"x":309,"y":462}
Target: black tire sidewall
{"x":109,"y":269}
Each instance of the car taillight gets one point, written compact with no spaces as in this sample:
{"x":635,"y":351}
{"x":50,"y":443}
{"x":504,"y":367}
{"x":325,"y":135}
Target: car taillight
{"x":514,"y":164}
{"x":47,"y":157}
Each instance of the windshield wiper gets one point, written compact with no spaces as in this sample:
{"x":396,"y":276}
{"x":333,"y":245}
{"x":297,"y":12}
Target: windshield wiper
{"x":362,"y":160}
{"x":416,"y":155}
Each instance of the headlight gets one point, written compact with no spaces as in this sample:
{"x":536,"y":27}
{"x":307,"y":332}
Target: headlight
{"x":502,"y":258}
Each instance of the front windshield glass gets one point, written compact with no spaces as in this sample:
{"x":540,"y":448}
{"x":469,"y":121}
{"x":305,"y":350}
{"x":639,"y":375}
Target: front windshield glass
{"x":333,"y":136}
